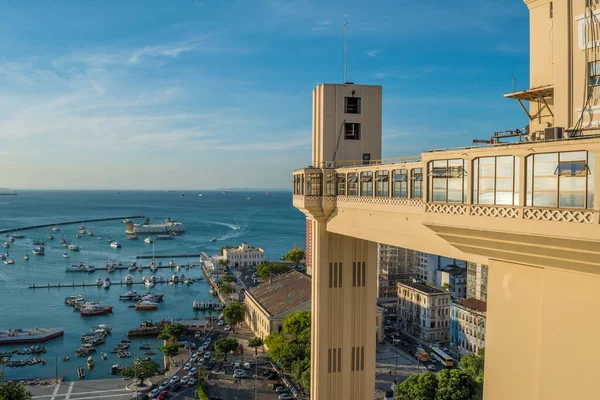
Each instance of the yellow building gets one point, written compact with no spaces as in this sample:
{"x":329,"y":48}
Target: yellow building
{"x":268,"y":304}
{"x":527,"y":209}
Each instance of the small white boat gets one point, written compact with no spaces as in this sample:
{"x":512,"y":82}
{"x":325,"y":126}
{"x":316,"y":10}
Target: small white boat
{"x":148,"y":240}
{"x":148,"y":283}
{"x":129,"y":280}
{"x":171,"y":263}
{"x":6,"y":245}
{"x":195,"y":305}
{"x":213,"y":239}
{"x":26,"y":258}
{"x":181,"y":194}
{"x":66,"y":255}
{"x":203,"y":305}
{"x":146,"y":305}
{"x":115,"y":245}
{"x":200,"y":195}
{"x":9,"y":261}
{"x":104,"y":355}
{"x":50,"y":237}
{"x":73,"y":247}
{"x":90,"y":362}
{"x":249,"y":198}
{"x":106,"y":283}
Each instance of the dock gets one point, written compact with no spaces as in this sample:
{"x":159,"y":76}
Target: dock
{"x":94,"y":284}
{"x":79,"y":221}
{"x":169,"y":256}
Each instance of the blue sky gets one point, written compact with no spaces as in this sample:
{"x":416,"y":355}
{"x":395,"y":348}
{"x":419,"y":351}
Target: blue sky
{"x":194,"y":94}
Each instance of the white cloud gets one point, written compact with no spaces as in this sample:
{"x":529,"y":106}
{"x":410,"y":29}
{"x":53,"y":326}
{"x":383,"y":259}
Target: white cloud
{"x":374,"y":53}
{"x":155,"y":51}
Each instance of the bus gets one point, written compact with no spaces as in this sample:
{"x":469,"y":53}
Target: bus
{"x":442,"y":357}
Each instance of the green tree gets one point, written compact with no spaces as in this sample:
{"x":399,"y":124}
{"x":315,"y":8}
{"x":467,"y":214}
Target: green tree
{"x":456,"y":384}
{"x":142,"y":371}
{"x":223,"y":248}
{"x":295,"y":255}
{"x":255,"y":342}
{"x":170,"y":350}
{"x":418,"y":387}
{"x":225,"y":345}
{"x":267,"y":271}
{"x":201,"y":393}
{"x":275,"y":343}
{"x":305,"y":381}
{"x":474,"y":365}
{"x":226,"y":289}
{"x":298,"y":368}
{"x":229,"y":279}
{"x":298,"y":325}
{"x":171,"y":332}
{"x":291,"y":352}
{"x":13,"y":391}
{"x":218,"y":356}
{"x":446,"y":286}
{"x":234,"y":313}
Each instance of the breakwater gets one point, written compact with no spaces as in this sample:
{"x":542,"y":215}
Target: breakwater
{"x":79,"y":221}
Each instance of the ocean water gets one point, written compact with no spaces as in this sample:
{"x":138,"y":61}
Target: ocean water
{"x":266,"y":221}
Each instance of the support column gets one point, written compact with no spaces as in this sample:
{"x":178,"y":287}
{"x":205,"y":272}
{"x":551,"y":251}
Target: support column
{"x":344,"y":299}
{"x":541,"y":333}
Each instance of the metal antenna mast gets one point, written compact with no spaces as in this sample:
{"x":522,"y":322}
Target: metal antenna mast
{"x":345,"y":53}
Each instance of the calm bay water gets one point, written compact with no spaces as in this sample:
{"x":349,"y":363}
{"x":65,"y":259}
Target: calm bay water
{"x":266,"y":221}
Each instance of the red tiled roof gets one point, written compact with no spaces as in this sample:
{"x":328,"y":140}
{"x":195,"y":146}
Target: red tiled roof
{"x":473,"y":304}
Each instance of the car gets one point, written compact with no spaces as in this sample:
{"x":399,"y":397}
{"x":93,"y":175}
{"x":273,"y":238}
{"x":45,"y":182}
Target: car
{"x":276,"y":385}
{"x":192,"y":382}
{"x":154,"y":392}
{"x":207,"y":355}
{"x":239,"y":373}
{"x":237,"y":365}
{"x":163,"y":395}
{"x":194,"y":359}
{"x":187,"y":366}
{"x":185,"y":380}
{"x":175,"y":379}
{"x":267,"y":372}
{"x":431,"y":367}
{"x":281,"y":389}
{"x":201,"y":361}
{"x":285,"y":396}
{"x":197,"y":335}
{"x":433,"y":360}
{"x":227,"y":327}
{"x":163,"y":385}
{"x":247,"y":365}
{"x":205,"y":347}
{"x":193,"y":372}
{"x":221,"y":322}
{"x":175,"y":386}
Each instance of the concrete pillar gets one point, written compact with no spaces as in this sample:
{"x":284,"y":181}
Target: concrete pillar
{"x":541,"y":333}
{"x":344,"y":298}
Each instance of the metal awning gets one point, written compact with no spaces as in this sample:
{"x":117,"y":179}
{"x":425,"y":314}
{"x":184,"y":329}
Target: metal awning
{"x":538,"y":93}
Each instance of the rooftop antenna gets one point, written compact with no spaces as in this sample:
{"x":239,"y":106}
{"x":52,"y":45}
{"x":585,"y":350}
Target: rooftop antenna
{"x":345,"y":53}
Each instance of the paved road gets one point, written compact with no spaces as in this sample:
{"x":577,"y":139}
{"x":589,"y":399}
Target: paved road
{"x":110,"y":389}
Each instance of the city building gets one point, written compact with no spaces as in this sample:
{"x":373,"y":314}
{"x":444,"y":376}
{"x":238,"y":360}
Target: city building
{"x":477,"y":279}
{"x":467,"y":325}
{"x":268,"y":304}
{"x":428,"y":264}
{"x":454,"y":278}
{"x":424,"y":312}
{"x":394,"y":264}
{"x":244,"y":255}
{"x":380,"y":323}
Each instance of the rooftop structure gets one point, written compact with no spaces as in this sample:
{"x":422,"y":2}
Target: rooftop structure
{"x":244,"y":255}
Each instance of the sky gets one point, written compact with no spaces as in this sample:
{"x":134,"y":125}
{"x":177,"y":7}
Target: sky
{"x":197,"y":94}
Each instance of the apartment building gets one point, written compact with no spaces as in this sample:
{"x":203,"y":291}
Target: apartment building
{"x":454,"y":278}
{"x":467,"y":325}
{"x":424,"y":311}
{"x":477,"y":279}
{"x":394,"y":264}
{"x":427,"y":266}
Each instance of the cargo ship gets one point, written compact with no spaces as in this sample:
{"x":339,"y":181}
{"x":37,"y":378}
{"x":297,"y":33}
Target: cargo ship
{"x":7,"y":192}
{"x":167,"y":228}
{"x":9,"y":336}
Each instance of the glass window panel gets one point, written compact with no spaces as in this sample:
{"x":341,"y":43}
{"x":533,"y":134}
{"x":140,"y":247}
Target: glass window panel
{"x":440,"y":163}
{"x":455,"y":184}
{"x":572,"y":200}
{"x":439,"y":184}
{"x":487,"y":170}
{"x":455,"y":197}
{"x":529,"y":182}
{"x":517,"y":181}
{"x":475,"y":181}
{"x":486,"y":184}
{"x":570,"y":184}
{"x":487,"y":160}
{"x":486,"y":198}
{"x":504,"y":170}
{"x":545,"y":184}
{"x":439,"y":196}
{"x":590,"y":180}
{"x":546,"y":157}
{"x":544,"y":200}
{"x":544,"y":168}
{"x":504,"y":198}
{"x":571,"y":168}
{"x":504,"y":184}
{"x":455,"y":163}
{"x":573,"y":156}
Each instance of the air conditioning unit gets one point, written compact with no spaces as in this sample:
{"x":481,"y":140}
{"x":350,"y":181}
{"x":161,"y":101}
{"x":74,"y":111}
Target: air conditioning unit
{"x":330,"y":164}
{"x":553,"y":133}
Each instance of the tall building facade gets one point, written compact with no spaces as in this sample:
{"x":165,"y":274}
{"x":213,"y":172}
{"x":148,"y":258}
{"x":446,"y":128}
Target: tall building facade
{"x":467,"y":325}
{"x":455,"y":278}
{"x":428,"y":264}
{"x":394,"y":264}
{"x":424,"y":312}
{"x":477,"y":279}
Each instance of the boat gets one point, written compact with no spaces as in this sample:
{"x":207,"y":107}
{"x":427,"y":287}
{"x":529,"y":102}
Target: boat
{"x":36,"y":335}
{"x":131,"y":237}
{"x":149,"y":353}
{"x":66,"y":255}
{"x":145,"y":346}
{"x":195,"y":305}
{"x":6,"y":245}
{"x":116,"y":369}
{"x":181,"y":194}
{"x":106,"y":283}
{"x":73,"y":247}
{"x":26,"y":257}
{"x":77,"y":235}
{"x":74,"y":268}
{"x":132,"y":295}
{"x":9,"y":261}
{"x":167,"y":227}
{"x":82,"y":231}
{"x":66,"y":358}
{"x":267,"y":193}
{"x":99,"y":282}
{"x":200,"y":195}
{"x":236,"y":228}
{"x":175,"y":278}
{"x":249,"y":198}
{"x":125,"y":221}
{"x":148,"y":240}
{"x":146,"y":305}
{"x":140,"y":267}
{"x":129,"y":280}
{"x":213,"y":239}
{"x":148,"y":283}
{"x":115,"y":245}
{"x":164,"y":237}
{"x":90,"y":362}
{"x":132,"y":268}
{"x":55,"y":228}
{"x":104,"y":356}
{"x":17,"y":235}
{"x":89,"y":269}
{"x":211,"y":291}
{"x":95,"y":309}
{"x":38,"y":251}
{"x":81,"y":226}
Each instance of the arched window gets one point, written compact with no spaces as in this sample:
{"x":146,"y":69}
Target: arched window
{"x":560,"y":180}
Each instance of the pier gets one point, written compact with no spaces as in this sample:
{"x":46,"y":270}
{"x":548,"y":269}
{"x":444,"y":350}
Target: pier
{"x":169,"y":256}
{"x":94,"y":284}
{"x":79,"y":221}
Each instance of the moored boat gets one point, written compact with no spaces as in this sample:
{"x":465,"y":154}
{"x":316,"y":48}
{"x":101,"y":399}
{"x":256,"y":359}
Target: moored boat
{"x":115,"y":245}
{"x":73,"y":247}
{"x":90,"y":362}
{"x":129,"y":280}
{"x":91,"y":310}
{"x":66,"y":358}
{"x":66,"y":255}
{"x":106,"y":283}
{"x":195,"y":305}
{"x":146,"y":305}
{"x":148,"y":240}
{"x":9,"y":261}
{"x":26,"y":257}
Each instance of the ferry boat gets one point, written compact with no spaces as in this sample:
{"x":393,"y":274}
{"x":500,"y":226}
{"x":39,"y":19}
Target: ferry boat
{"x":129,"y":280}
{"x":148,"y":240}
{"x":8,"y":336}
{"x":146,"y":305}
{"x":95,"y":309}
{"x":115,"y":245}
{"x":195,"y":305}
{"x":106,"y":284}
{"x":166,"y":228}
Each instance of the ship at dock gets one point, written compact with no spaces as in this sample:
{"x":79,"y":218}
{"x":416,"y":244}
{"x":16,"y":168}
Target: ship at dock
{"x":29,"y":335}
{"x":168,"y":227}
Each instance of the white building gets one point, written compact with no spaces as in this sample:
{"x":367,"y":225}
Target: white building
{"x":244,"y":256}
{"x":456,"y":278}
{"x":428,"y":264}
{"x":467,"y":325}
{"x":424,"y":312}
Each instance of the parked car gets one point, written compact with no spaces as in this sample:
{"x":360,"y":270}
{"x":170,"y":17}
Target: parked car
{"x":154,"y":392}
{"x":175,"y":379}
{"x":239,"y":373}
{"x":191,"y":382}
{"x":163,"y":395}
{"x":276,"y":385}
{"x":193,"y":372}
{"x":221,"y":322}
{"x":187,"y":366}
{"x":286,"y":396}
{"x":281,"y":389}
{"x":185,"y":380}
{"x":197,"y":335}
{"x":237,"y":365}
{"x":164,"y":385}
{"x":227,"y":327}
{"x":431,"y":367}
{"x":207,"y":355}
{"x":175,"y":386}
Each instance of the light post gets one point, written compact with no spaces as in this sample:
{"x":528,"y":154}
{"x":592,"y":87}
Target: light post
{"x":256,"y":376}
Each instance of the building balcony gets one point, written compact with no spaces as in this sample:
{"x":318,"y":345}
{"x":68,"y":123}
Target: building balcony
{"x":488,"y":202}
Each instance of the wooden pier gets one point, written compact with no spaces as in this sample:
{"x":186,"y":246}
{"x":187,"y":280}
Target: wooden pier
{"x":79,"y":221}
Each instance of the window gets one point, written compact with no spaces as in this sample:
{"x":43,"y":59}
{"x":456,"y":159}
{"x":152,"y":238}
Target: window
{"x":594,"y":73}
{"x":315,"y":184}
{"x":366,"y":183}
{"x":330,"y":183}
{"x":416,"y":179}
{"x":447,"y":181}
{"x":382,"y":184}
{"x":560,"y":180}
{"x":400,"y":183}
{"x":351,"y":131}
{"x":341,"y":184}
{"x":352,"y":184}
{"x":496,"y":180}
{"x":352,"y":105}
{"x":299,"y":184}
